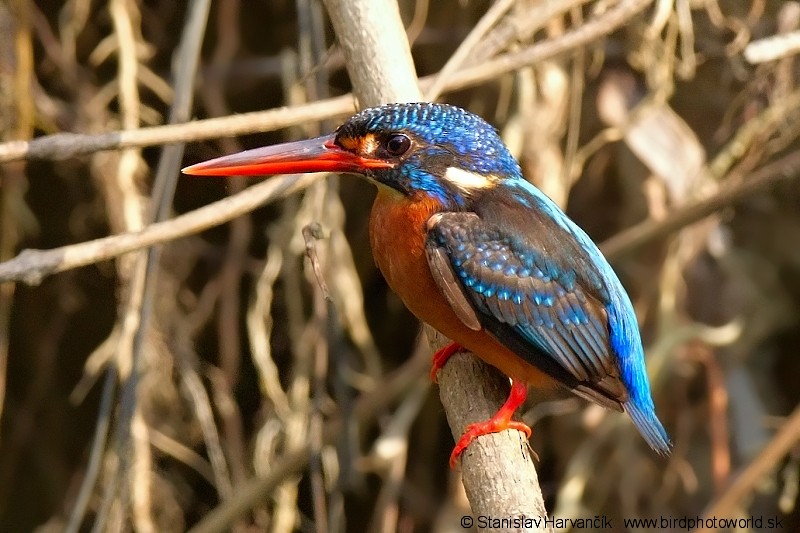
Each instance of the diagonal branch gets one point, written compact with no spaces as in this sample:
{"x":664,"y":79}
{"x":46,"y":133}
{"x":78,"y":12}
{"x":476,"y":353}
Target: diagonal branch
{"x":65,"y":145}
{"x":784,"y":169}
{"x":31,"y":266}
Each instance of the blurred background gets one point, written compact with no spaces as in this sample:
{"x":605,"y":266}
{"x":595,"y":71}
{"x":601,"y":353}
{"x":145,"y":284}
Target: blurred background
{"x":239,"y":362}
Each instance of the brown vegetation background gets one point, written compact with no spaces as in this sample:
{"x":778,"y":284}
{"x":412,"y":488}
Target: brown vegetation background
{"x":153,"y":392}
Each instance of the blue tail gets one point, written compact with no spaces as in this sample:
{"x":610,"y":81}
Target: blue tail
{"x":649,"y":426}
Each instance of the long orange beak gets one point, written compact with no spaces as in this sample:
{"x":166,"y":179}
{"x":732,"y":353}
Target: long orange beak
{"x":321,"y":154}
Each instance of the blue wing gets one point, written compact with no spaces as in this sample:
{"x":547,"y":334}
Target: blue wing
{"x":518,"y":267}
{"x":529,"y":301}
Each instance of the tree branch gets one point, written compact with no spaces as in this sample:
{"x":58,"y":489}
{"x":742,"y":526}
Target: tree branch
{"x":728,"y":504}
{"x":65,"y":145}
{"x":729,"y":194}
{"x":30,"y":266}
{"x":500,"y":481}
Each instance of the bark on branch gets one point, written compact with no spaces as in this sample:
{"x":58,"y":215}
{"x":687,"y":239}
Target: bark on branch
{"x":497,"y":470}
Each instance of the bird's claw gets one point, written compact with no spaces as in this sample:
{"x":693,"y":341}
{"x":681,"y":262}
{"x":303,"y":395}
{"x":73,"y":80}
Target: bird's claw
{"x":440,"y":358}
{"x":474,"y":431}
{"x":499,"y":422}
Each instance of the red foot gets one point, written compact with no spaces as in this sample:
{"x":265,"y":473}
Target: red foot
{"x":499,"y":422}
{"x":440,"y":358}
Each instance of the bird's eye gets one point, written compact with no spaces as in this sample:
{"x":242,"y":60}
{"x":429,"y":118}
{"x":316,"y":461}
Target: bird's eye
{"x":397,"y":144}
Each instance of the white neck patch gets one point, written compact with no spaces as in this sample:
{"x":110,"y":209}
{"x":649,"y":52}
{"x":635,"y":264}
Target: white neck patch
{"x":468,"y":181}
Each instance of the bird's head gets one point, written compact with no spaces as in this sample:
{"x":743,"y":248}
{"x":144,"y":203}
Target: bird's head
{"x":436,"y":150}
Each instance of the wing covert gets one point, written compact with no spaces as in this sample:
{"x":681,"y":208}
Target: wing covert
{"x":521,"y":293}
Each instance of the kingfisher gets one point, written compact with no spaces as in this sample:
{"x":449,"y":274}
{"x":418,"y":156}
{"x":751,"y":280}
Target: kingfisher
{"x":482,"y":255}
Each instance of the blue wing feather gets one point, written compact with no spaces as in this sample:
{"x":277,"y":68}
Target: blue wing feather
{"x":508,"y":280}
{"x":542,"y":287}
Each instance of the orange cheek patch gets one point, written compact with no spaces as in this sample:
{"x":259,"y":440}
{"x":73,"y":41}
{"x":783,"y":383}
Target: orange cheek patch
{"x":350,"y":143}
{"x":369,"y":144}
{"x":364,"y":146}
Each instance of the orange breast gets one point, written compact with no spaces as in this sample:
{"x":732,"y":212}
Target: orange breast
{"x":397,"y":235}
